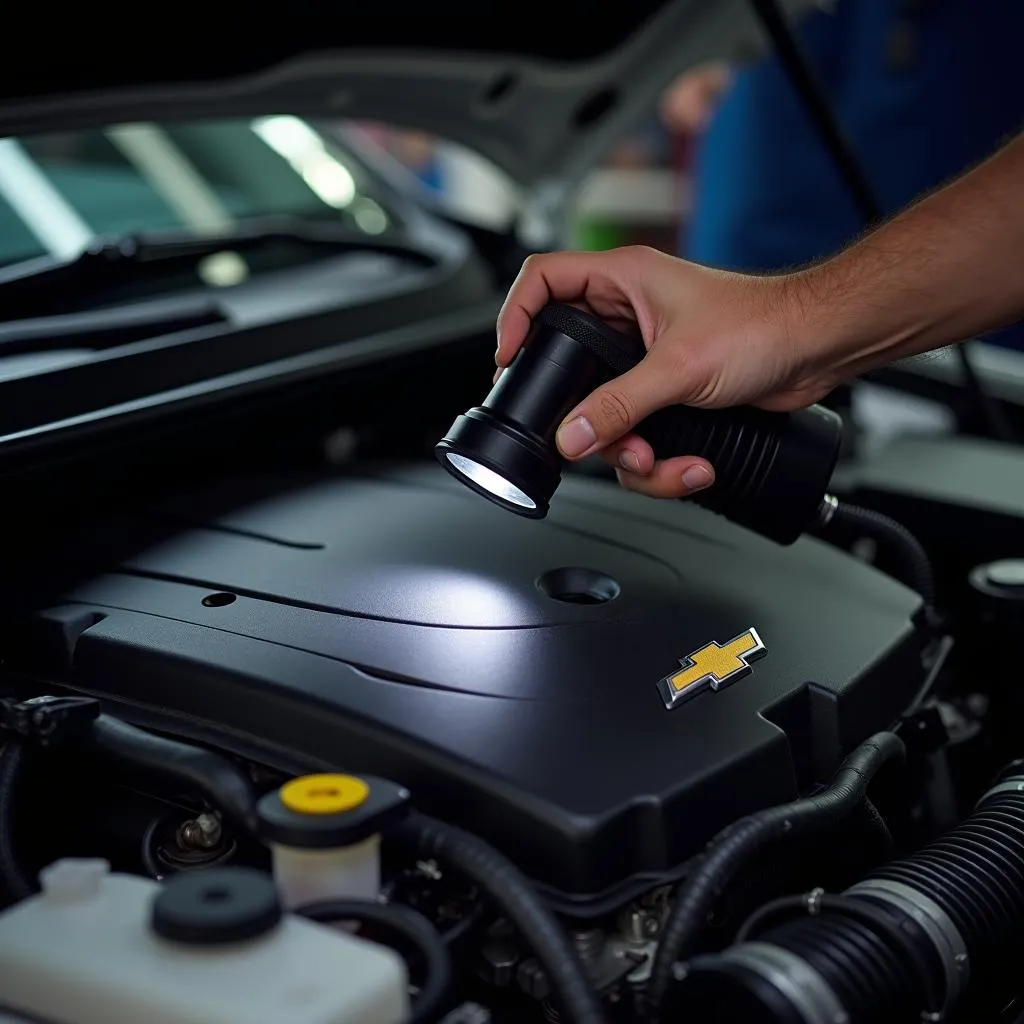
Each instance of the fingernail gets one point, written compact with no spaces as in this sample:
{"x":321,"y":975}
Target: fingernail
{"x":696,"y":478}
{"x":497,"y":373}
{"x":497,"y":355}
{"x":629,"y":462}
{"x":575,"y":437}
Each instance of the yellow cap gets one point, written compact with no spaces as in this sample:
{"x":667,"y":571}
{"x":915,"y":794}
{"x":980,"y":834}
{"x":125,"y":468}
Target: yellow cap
{"x":324,"y":794}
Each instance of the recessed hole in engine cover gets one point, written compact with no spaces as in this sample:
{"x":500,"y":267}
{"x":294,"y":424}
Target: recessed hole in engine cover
{"x":578,"y":586}
{"x":218,"y":600}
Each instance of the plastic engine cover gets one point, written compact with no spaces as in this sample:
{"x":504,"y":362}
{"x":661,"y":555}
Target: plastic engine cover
{"x":507,"y":671}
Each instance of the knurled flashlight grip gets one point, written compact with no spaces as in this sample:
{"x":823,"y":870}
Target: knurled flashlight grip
{"x":772,"y":469}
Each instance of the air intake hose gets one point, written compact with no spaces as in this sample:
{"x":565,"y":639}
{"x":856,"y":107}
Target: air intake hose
{"x":899,"y":945}
{"x":738,"y":846}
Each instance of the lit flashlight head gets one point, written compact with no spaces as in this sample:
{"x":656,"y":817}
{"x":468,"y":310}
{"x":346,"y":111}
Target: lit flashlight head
{"x":505,"y":449}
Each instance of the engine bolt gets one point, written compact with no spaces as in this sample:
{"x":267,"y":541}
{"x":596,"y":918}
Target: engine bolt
{"x":203,"y":833}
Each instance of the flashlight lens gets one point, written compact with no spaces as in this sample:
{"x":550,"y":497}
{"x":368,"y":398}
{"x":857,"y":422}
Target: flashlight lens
{"x":490,"y":481}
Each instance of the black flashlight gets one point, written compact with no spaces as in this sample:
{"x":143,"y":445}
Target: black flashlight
{"x":772,"y":470}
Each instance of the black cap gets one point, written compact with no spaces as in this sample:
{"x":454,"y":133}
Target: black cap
{"x":1005,"y":577}
{"x":213,"y":907}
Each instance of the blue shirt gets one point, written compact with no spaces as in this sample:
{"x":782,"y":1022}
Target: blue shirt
{"x":924,"y":90}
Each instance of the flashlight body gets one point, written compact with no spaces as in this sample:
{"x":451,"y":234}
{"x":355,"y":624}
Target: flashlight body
{"x":544,"y":383}
{"x":511,"y":437}
{"x":772,"y":470}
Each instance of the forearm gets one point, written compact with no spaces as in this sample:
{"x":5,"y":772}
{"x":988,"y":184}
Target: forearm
{"x":948,"y":268}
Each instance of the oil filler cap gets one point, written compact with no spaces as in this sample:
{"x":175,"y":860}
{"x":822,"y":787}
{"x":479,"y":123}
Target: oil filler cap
{"x":221,"y":905}
{"x":328,"y":811}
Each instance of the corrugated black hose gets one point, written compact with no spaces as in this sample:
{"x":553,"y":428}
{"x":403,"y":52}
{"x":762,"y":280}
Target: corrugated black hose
{"x":573,"y":992}
{"x":15,"y":885}
{"x":737,"y":846}
{"x":933,"y":936}
{"x":913,"y":566}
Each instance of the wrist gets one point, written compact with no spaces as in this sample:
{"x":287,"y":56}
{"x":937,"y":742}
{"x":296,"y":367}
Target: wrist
{"x":944,"y":270}
{"x":843,"y":317}
{"x":798,"y":314}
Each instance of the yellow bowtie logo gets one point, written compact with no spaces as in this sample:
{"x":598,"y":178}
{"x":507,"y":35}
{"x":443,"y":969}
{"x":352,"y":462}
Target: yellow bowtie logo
{"x":712,"y":667}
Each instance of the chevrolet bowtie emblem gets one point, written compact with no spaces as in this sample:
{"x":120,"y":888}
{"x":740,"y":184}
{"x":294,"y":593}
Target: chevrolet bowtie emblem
{"x":712,"y":667}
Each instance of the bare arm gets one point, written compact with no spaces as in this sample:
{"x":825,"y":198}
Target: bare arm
{"x":948,"y":268}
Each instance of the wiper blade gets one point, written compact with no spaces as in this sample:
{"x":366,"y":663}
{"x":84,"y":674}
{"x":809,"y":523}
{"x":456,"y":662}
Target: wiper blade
{"x":101,"y":329}
{"x":108,"y":261}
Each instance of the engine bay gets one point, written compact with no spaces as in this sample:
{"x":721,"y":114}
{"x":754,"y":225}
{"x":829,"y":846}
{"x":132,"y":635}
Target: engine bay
{"x":393,"y":625}
{"x":579,"y":743}
{"x":297,"y":729}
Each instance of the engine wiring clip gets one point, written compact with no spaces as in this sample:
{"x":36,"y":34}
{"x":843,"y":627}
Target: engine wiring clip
{"x":48,"y":720}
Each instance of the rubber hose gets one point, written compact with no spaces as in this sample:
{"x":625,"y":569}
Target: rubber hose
{"x":914,"y":565}
{"x":386,"y":923}
{"x":736,"y":846}
{"x":975,"y":872}
{"x":224,"y":784}
{"x":500,"y":879}
{"x":866,"y":959}
{"x":867,"y":946}
{"x":14,"y":881}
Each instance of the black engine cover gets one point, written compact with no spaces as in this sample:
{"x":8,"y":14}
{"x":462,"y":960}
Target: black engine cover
{"x":393,"y":623}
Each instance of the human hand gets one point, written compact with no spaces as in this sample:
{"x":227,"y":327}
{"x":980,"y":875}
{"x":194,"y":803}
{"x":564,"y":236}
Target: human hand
{"x":714,"y":339}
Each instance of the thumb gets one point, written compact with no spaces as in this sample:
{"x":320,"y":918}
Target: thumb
{"x":616,"y":407}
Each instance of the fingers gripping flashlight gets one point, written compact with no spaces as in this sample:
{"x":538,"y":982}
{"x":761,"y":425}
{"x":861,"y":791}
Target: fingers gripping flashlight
{"x":771,"y":469}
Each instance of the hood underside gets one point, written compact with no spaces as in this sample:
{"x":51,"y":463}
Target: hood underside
{"x":540,"y":90}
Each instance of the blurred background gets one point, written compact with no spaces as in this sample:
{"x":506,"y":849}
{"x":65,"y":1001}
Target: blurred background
{"x":726,"y":169}
{"x":639,"y":195}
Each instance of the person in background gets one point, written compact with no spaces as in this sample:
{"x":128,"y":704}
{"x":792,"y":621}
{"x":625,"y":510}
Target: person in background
{"x":923,"y":88}
{"x":416,"y":151}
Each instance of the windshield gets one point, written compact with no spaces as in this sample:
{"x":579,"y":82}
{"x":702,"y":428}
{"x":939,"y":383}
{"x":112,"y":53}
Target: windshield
{"x":59,"y":192}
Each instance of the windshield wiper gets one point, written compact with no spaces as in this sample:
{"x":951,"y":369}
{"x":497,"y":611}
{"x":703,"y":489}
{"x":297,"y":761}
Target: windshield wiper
{"x":97,"y":330}
{"x":40,"y":282}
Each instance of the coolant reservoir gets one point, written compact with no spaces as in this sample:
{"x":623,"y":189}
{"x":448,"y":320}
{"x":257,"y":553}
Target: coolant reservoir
{"x":324,"y":835}
{"x":209,"y":947}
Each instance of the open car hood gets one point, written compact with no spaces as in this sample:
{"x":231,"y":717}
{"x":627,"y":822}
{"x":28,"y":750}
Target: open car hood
{"x":540,"y":90}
